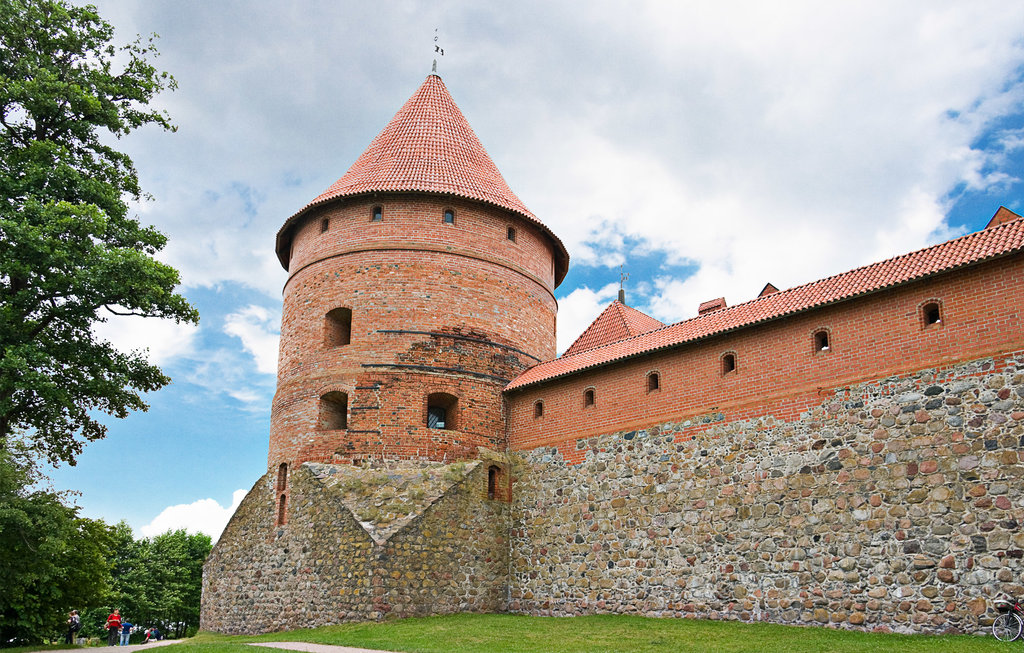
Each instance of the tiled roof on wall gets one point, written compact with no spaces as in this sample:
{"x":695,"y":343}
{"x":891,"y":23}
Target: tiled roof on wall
{"x":429,"y":147}
{"x":615,"y":323}
{"x":998,"y":240}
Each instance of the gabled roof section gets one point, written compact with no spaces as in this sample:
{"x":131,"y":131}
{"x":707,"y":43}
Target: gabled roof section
{"x":615,"y":323}
{"x":428,"y":147}
{"x":993,"y":242}
{"x":1003,"y":215}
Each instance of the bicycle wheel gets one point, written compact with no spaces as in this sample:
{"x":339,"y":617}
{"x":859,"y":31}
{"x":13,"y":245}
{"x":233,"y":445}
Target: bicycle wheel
{"x":1007,"y":627}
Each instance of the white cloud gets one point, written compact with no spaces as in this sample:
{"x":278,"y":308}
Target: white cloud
{"x":165,"y":340}
{"x":753,"y":141}
{"x":257,"y":328}
{"x":200,"y":516}
{"x":223,"y":371}
{"x":578,"y":309}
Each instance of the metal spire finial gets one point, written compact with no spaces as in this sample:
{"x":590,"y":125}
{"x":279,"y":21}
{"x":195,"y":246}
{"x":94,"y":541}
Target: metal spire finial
{"x":623,"y":277}
{"x":437,"y":50}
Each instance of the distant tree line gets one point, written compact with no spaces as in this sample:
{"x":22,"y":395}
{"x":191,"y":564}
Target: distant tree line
{"x":52,"y":561}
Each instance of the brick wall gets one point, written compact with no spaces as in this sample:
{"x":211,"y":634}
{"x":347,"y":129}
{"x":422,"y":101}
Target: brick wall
{"x":435,"y":308}
{"x":778,"y":368}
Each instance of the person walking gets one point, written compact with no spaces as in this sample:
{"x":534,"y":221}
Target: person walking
{"x":74,"y":625}
{"x":126,"y":632}
{"x":113,"y":626}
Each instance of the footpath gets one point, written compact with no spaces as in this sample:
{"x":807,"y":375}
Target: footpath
{"x":308,"y":647}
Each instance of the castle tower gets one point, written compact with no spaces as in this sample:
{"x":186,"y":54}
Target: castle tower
{"x":418,"y":286}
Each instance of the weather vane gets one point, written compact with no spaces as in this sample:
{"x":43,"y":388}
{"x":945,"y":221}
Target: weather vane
{"x":623,"y":277}
{"x":437,"y":50}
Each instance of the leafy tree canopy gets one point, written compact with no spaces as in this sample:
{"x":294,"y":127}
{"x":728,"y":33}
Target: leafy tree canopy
{"x":70,"y":254}
{"x":50,"y":558}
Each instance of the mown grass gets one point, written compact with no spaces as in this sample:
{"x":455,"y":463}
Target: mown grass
{"x":477,"y":633}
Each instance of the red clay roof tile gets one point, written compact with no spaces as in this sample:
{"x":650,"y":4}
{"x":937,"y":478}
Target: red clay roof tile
{"x":616,"y":322}
{"x":999,"y":240}
{"x":428,"y":147}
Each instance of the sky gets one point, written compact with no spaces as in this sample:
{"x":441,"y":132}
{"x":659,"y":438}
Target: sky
{"x":707,"y":148}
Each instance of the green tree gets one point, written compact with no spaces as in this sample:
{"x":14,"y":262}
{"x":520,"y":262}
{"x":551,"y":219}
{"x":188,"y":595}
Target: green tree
{"x":158,"y":581}
{"x":70,"y":253}
{"x":50,"y":558}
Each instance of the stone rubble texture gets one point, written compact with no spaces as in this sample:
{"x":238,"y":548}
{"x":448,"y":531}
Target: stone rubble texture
{"x":449,"y":554}
{"x":894,"y":505}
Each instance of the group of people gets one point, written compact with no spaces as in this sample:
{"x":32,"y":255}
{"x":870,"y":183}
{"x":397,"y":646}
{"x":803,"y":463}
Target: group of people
{"x":115,"y":626}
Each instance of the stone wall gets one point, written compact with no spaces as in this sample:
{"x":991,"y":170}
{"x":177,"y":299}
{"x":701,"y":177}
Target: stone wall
{"x":894,"y":504}
{"x":360,"y":543}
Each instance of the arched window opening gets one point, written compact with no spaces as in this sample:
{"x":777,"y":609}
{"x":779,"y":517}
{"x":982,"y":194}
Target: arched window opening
{"x":538,"y":409}
{"x":282,"y":477}
{"x":492,"y":481}
{"x":325,"y":224}
{"x":333,"y":411}
{"x":653,"y":382}
{"x":282,"y":506}
{"x":931,"y":313}
{"x":511,"y":235}
{"x":378,"y":214}
{"x":821,"y":340}
{"x":449,"y":216}
{"x":338,"y":327}
{"x":588,"y":398}
{"x":728,"y":363}
{"x":442,"y":409}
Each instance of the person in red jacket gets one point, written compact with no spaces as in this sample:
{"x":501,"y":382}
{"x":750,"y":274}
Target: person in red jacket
{"x":113,"y":626}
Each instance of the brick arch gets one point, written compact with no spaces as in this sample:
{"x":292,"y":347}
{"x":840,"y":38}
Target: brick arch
{"x":815,"y":336}
{"x":922,"y":312}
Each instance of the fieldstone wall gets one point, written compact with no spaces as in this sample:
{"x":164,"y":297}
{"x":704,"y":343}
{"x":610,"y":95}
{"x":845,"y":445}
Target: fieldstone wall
{"x":360,"y":543}
{"x":894,"y":504}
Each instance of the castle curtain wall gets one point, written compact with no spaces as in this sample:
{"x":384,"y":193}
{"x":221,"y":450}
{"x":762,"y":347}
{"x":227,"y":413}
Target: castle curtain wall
{"x":891,"y":498}
{"x":982,"y":312}
{"x":894,"y":504}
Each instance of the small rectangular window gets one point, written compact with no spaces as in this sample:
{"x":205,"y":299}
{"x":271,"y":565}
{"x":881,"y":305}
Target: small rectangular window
{"x":325,"y":224}
{"x":338,"y":327}
{"x":449,"y":216}
{"x":378,"y":214}
{"x":512,"y":234}
{"x":653,"y":382}
{"x":728,"y":363}
{"x":588,"y":398}
{"x":821,"y":342}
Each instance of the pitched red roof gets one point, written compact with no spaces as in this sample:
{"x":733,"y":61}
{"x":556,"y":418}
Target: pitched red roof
{"x":993,"y":242}
{"x":616,"y":322}
{"x":428,"y":147}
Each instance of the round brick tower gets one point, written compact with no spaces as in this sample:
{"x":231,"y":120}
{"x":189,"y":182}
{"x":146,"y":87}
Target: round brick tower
{"x":418,"y":286}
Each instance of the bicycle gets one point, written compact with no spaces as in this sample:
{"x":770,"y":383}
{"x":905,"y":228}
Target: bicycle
{"x":1010,"y":622}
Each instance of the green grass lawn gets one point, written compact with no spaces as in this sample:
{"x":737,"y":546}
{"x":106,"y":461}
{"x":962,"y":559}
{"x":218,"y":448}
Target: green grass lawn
{"x":594,"y":634}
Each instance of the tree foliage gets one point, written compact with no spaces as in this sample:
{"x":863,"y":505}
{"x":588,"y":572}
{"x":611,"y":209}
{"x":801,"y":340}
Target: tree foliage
{"x":50,"y":558}
{"x":70,"y":253}
{"x":156,"y":581}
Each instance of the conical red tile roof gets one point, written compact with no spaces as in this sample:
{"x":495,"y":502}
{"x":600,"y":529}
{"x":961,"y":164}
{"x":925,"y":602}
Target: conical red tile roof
{"x":429,"y":147}
{"x":617,"y":322}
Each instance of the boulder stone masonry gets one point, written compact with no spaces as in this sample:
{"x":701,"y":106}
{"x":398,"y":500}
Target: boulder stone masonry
{"x":893,"y":505}
{"x":361,"y":543}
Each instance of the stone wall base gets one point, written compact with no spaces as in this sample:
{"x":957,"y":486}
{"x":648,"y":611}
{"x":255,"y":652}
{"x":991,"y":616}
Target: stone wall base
{"x":895,"y":504}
